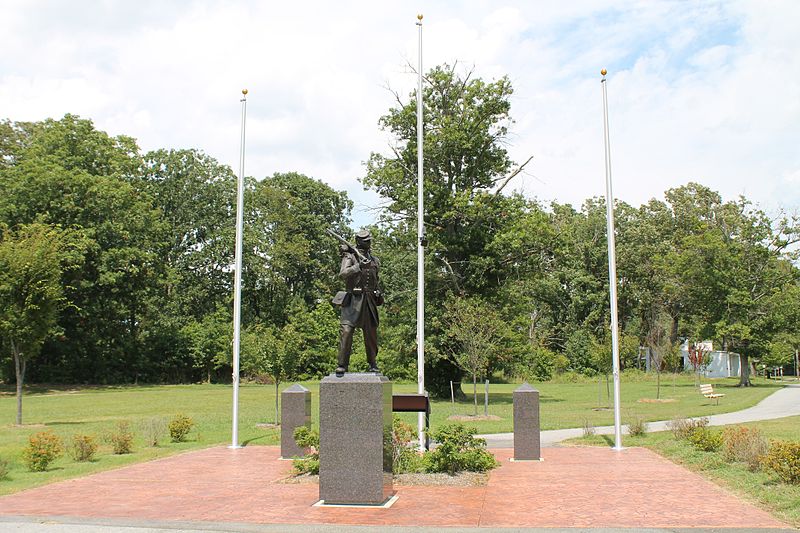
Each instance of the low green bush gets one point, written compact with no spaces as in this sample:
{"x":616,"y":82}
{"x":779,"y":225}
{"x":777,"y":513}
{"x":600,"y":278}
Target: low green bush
{"x":705,"y":439}
{"x":308,"y":439}
{"x":458,"y":450}
{"x":179,"y":427}
{"x":43,"y":448}
{"x":637,"y":427}
{"x":682,"y":428}
{"x":783,"y":458}
{"x":405,"y":458}
{"x":153,"y":430}
{"x":746,"y":445}
{"x":83,"y":448}
{"x":588,"y":428}
{"x":122,"y":439}
{"x":4,"y":469}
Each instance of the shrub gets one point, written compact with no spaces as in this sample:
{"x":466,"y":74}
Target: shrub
{"x":122,"y":439}
{"x":458,"y":450}
{"x":43,"y":448}
{"x":705,"y":439}
{"x":83,"y":448}
{"x":179,"y":427}
{"x":535,"y":363}
{"x":783,"y":458}
{"x":637,"y":427}
{"x":682,"y":428}
{"x":308,"y":439}
{"x":588,"y":428}
{"x":153,"y":430}
{"x":405,"y":458}
{"x":746,"y":445}
{"x":4,"y":469}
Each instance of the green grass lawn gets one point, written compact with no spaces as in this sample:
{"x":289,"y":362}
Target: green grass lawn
{"x":760,"y":488}
{"x":97,"y":410}
{"x":569,"y":405}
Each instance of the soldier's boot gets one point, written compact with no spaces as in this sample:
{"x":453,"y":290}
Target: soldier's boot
{"x":373,"y":365}
{"x":342,"y":365}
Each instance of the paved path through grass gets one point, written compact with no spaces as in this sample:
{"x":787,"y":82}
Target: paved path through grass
{"x":783,"y":402}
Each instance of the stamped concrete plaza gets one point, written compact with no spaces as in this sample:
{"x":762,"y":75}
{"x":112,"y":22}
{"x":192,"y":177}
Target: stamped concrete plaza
{"x":231,"y":489}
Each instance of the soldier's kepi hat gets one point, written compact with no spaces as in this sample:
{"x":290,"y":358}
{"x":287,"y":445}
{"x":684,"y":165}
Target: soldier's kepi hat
{"x":364,"y":235}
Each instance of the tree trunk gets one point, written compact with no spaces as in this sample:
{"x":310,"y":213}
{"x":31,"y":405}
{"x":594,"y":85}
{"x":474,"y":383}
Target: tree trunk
{"x":796,"y":364}
{"x":673,"y":331}
{"x":599,"y":391}
{"x":658,"y":384}
{"x":475,"y":392}
{"x":744,"y":374}
{"x":277,"y":418}
{"x":19,"y":367}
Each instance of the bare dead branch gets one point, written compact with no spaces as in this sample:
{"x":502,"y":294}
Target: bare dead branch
{"x":512,"y":175}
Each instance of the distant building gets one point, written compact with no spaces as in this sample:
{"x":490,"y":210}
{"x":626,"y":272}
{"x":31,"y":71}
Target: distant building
{"x":721,"y":365}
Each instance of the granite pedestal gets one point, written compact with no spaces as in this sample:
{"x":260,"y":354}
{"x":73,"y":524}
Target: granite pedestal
{"x":527,"y":438}
{"x":295,"y":412}
{"x":355,"y":439}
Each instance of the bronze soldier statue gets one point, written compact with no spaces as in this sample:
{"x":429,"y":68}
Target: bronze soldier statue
{"x":360,"y":301}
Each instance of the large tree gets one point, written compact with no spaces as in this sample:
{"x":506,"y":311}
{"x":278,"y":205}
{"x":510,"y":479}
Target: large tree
{"x":69,"y":174}
{"x":728,"y":263}
{"x":466,"y":168}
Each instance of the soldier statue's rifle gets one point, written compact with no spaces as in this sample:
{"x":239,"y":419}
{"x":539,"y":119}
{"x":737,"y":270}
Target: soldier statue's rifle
{"x":350,"y":248}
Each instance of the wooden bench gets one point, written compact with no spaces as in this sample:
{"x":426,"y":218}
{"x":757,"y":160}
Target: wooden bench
{"x":708,"y":391}
{"x":414,"y":403}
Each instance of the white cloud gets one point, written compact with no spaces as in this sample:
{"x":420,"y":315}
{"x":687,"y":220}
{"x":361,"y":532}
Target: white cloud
{"x":697,"y":91}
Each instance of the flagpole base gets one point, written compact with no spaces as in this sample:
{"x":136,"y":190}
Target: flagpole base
{"x":235,"y":447}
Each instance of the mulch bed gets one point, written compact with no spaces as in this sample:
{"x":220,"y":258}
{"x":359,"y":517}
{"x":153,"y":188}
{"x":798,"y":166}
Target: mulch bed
{"x":462,"y":479}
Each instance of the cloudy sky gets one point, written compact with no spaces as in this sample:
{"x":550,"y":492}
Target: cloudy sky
{"x":701,"y":91}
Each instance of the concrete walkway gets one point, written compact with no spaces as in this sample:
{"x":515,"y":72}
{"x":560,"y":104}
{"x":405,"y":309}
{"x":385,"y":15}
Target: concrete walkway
{"x":782,"y":403}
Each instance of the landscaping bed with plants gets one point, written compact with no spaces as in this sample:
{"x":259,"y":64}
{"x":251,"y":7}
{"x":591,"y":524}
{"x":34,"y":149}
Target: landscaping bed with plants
{"x":457,"y":459}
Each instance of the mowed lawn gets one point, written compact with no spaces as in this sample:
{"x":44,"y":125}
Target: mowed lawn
{"x":762,"y":488}
{"x":97,"y":410}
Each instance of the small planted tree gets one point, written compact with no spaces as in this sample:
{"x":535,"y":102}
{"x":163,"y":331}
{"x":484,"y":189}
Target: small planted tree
{"x":474,"y":331}
{"x":698,"y":356}
{"x":275,"y":352}
{"x":31,"y":294}
{"x":660,"y":345}
{"x":601,"y":353}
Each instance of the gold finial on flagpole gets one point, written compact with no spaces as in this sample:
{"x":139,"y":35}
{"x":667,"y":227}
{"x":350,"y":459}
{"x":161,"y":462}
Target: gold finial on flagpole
{"x":604,"y":72}
{"x":244,"y":92}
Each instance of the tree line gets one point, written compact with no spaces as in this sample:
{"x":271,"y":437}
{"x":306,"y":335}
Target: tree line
{"x":116,"y":264}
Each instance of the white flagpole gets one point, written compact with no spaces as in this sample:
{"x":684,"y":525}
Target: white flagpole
{"x":420,"y":250}
{"x":612,"y":270}
{"x":237,"y":284}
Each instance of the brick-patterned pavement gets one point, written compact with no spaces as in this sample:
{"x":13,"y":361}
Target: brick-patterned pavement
{"x":572,"y":487}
